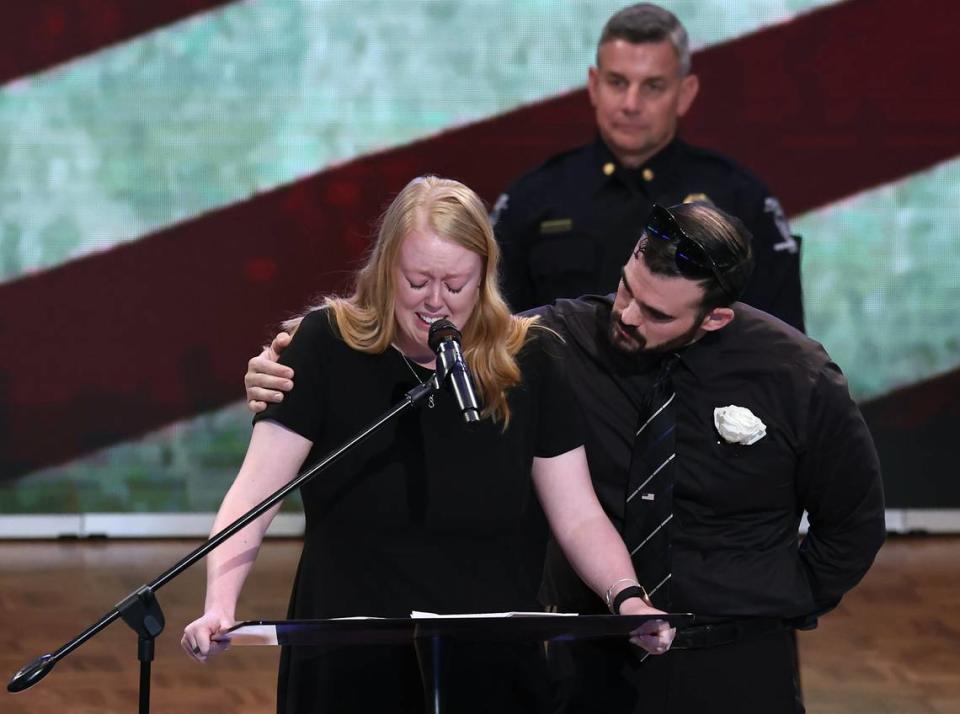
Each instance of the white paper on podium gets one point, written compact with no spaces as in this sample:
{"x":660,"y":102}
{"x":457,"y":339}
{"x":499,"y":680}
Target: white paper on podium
{"x":416,"y":614}
{"x":266,"y":634}
{"x":250,"y":635}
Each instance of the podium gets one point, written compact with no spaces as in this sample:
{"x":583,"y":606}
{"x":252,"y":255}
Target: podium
{"x":429,"y":635}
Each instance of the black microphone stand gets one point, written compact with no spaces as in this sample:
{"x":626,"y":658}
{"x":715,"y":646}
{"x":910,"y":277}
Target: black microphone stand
{"x":140,"y":609}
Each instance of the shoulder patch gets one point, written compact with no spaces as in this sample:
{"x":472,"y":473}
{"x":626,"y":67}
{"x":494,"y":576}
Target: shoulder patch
{"x":503,"y":200}
{"x":772,"y":206}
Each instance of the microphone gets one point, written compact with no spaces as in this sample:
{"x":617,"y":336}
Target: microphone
{"x":444,"y":339}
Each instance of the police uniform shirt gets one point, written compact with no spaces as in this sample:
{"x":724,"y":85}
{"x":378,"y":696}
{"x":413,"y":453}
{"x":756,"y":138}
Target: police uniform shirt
{"x":567,"y":227}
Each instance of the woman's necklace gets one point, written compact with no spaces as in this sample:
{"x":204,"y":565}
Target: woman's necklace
{"x":414,"y":373}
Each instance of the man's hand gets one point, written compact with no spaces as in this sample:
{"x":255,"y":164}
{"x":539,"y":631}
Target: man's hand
{"x":654,"y":636}
{"x":266,"y":379}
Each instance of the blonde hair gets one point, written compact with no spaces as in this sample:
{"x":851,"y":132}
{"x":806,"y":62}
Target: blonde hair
{"x":492,"y":337}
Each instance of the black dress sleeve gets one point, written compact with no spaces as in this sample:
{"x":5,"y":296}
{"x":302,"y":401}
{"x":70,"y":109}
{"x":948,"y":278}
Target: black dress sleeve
{"x":302,"y":408}
{"x":560,"y":426}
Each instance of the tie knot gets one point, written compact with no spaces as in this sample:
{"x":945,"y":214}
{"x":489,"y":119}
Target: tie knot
{"x":662,"y":384}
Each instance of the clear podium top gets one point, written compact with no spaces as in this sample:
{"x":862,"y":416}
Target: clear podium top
{"x":478,"y":627}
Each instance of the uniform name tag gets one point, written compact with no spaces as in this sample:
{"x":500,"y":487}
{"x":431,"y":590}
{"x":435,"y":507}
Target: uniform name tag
{"x":556,"y":225}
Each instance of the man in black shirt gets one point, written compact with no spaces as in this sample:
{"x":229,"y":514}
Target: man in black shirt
{"x":763,"y":429}
{"x":565,"y":226}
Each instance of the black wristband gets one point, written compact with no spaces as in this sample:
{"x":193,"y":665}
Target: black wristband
{"x":626,"y":594}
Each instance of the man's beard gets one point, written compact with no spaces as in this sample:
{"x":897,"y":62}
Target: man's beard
{"x":639,"y":345}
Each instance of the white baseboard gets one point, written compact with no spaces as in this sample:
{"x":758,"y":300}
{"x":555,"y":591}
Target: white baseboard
{"x":923,"y":520}
{"x":285,"y":525}
{"x":129,"y":525}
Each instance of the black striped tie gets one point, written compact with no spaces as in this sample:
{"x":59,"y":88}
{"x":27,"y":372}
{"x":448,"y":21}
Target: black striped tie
{"x":649,"y":507}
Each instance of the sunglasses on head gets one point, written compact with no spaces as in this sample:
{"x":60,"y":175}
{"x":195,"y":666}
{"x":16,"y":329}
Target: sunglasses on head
{"x":691,"y":257}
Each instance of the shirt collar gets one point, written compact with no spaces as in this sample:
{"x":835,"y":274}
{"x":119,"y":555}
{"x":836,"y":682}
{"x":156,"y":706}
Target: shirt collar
{"x":663,"y":162}
{"x":703,"y":357}
{"x":586,"y":322}
{"x":607,"y":168}
{"x":604,"y":164}
{"x":590,"y":330}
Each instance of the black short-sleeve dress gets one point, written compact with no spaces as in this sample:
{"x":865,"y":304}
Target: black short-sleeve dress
{"x":430,"y":513}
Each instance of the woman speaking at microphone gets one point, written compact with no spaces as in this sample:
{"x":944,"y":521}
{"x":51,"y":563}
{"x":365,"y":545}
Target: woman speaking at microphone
{"x":430,"y":513}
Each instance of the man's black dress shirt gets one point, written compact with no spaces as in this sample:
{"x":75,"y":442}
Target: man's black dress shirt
{"x":567,"y":227}
{"x":737,"y":508}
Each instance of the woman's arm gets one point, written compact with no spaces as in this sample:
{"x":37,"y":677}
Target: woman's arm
{"x":590,"y":542}
{"x":272,"y":460}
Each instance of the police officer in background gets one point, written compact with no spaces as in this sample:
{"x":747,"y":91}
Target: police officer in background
{"x":565,"y":226}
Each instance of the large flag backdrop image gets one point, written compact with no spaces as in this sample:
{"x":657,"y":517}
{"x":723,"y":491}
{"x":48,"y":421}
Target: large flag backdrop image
{"x":174,"y":182}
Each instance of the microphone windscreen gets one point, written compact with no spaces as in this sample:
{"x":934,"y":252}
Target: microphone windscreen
{"x":442,"y":331}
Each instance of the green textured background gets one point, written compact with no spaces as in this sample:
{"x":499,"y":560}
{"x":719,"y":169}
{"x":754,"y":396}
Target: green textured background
{"x":207,"y":111}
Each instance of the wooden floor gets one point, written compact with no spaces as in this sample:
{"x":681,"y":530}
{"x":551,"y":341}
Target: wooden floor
{"x":893,"y":646}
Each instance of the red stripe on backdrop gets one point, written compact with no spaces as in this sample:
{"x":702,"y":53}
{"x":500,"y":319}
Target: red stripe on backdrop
{"x":838,"y":101}
{"x":915,"y":430}
{"x":37,"y":34}
{"x":113,"y":345}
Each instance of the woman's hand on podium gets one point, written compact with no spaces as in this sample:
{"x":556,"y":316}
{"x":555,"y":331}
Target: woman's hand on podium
{"x":197,"y":636}
{"x":653,"y":636}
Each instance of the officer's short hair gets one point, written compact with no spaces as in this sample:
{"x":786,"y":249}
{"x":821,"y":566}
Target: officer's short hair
{"x":723,"y":236}
{"x":646,"y":22}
